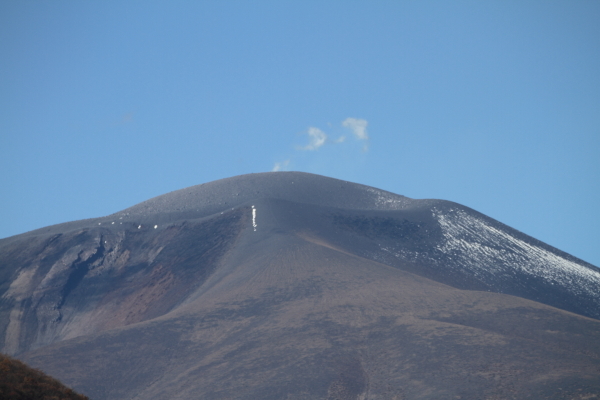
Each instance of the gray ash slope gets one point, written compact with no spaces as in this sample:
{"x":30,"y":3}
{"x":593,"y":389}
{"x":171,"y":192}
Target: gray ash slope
{"x":441,"y":240}
{"x":291,"y":186}
{"x":283,"y":274}
{"x":214,"y":197}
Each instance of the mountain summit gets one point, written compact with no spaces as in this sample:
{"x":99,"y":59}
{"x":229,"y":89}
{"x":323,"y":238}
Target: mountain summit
{"x":297,"y":286}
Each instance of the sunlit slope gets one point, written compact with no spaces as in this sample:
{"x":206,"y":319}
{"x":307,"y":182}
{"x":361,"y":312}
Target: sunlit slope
{"x":299,"y":319}
{"x":215,"y":197}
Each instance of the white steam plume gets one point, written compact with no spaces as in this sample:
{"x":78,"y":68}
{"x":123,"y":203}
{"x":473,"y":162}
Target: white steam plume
{"x":317,"y":139}
{"x":280,"y":166}
{"x":359,"y":128}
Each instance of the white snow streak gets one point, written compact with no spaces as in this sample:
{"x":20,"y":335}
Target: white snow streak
{"x":254,"y":218}
{"x":488,"y":251}
{"x":387,"y":201}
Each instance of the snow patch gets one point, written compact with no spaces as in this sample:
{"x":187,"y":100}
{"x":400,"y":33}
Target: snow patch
{"x":489,"y":252}
{"x":254,"y":218}
{"x":387,"y":201}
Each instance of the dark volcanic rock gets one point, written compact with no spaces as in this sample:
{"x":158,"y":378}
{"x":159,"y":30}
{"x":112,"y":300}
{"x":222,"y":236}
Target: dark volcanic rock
{"x":292,"y":285}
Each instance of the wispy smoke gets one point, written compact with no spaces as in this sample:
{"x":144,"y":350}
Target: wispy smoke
{"x":359,"y":128}
{"x":280,"y":166}
{"x":317,"y":139}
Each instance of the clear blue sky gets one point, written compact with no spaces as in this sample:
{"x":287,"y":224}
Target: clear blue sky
{"x":492,"y":104}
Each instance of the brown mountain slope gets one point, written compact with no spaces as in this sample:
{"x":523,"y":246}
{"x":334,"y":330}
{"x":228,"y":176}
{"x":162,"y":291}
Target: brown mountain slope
{"x":20,"y":382}
{"x":305,"y":321}
{"x":295,"y":286}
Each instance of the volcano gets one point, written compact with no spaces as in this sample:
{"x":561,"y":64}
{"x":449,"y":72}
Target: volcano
{"x":289,"y":285}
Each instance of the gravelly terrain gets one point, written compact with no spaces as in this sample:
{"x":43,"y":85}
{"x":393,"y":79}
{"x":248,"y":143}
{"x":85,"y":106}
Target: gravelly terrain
{"x":297,"y":286}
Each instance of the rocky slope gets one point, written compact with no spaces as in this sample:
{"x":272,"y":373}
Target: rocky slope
{"x":292,"y":285}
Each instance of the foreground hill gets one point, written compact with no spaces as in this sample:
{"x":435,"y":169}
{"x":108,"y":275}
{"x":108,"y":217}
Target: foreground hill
{"x":20,"y":382}
{"x":292,"y":285}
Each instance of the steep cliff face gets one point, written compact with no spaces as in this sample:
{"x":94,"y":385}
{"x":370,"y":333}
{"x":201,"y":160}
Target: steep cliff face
{"x":291,"y":285}
{"x":92,"y":279}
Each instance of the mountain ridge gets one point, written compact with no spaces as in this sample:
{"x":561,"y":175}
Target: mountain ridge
{"x":246,"y":287}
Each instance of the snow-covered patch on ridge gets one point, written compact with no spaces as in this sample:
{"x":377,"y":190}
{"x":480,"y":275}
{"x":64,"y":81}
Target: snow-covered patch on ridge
{"x":490,"y":253}
{"x":388,"y":201}
{"x":254,"y":218}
